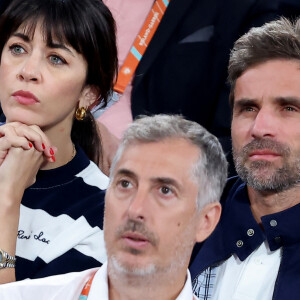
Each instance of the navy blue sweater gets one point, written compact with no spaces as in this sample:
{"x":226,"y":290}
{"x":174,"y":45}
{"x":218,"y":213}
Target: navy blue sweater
{"x":61,"y":220}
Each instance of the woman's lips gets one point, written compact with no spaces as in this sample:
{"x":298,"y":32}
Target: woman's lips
{"x":25,"y":98}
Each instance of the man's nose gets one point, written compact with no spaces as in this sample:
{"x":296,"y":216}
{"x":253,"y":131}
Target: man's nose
{"x":139,"y":205}
{"x":265,"y":124}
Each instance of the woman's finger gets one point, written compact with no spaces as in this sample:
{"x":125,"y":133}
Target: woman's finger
{"x":33,"y":134}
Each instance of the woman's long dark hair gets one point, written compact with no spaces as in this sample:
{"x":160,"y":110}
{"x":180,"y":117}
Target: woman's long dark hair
{"x":86,"y":25}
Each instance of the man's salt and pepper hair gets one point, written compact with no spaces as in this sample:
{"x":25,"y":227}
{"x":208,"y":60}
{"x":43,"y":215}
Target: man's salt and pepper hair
{"x":279,"y":39}
{"x":210,"y":170}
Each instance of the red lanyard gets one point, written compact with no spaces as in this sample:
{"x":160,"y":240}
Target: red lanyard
{"x":140,"y":44}
{"x":86,"y":289}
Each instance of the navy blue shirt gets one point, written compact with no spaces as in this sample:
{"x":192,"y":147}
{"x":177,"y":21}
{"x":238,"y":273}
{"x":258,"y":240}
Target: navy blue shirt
{"x":238,"y":233}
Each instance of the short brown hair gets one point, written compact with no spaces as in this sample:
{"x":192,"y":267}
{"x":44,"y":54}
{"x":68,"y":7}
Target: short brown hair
{"x":278,"y":39}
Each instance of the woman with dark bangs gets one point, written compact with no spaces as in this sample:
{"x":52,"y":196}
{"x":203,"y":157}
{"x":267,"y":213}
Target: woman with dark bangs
{"x":58,"y":59}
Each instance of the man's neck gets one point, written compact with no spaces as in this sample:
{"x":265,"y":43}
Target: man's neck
{"x":265,"y":203}
{"x":151,"y":288}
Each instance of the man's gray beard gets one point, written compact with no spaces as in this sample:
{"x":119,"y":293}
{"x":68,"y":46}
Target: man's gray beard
{"x":180,"y":258}
{"x":150,"y":272}
{"x":279,"y":180}
{"x":116,"y":266}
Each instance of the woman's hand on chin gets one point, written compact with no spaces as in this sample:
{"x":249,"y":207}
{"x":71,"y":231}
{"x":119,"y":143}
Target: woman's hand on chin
{"x":18,"y":135}
{"x":21,"y":156}
{"x":18,"y":171}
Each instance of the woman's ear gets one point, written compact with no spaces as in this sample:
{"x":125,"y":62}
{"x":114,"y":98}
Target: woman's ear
{"x":89,"y":96}
{"x":208,"y":219}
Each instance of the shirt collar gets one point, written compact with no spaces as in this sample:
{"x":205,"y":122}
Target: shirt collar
{"x":282,"y":228}
{"x":187,"y":292}
{"x":99,"y":288}
{"x":243,"y":235}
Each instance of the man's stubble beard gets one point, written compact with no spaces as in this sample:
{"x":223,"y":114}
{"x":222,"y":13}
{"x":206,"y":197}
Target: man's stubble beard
{"x":259,"y":174}
{"x":151,"y":271}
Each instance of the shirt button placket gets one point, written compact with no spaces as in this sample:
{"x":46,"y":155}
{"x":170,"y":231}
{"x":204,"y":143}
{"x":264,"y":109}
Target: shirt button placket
{"x":250,"y":232}
{"x":239,"y":243}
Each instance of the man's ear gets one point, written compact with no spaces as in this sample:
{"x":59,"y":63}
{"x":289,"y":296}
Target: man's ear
{"x":89,"y":96}
{"x":208,"y":220}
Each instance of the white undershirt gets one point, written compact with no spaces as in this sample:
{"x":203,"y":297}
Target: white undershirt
{"x":251,"y":279}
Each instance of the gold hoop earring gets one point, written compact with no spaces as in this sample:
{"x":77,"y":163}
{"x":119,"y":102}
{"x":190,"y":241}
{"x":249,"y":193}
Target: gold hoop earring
{"x":80,"y":113}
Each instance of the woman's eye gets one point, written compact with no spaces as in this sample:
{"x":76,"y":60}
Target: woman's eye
{"x":16,"y":49}
{"x":56,"y":60}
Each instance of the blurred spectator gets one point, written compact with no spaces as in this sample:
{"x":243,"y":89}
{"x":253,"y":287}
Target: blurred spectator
{"x":3,"y":4}
{"x":184,"y":68}
{"x":289,"y":8}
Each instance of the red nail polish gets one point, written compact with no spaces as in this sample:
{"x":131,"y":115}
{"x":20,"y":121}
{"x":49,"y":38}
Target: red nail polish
{"x":53,"y":158}
{"x":30,"y":145}
{"x":51,"y":151}
{"x":43,"y":146}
